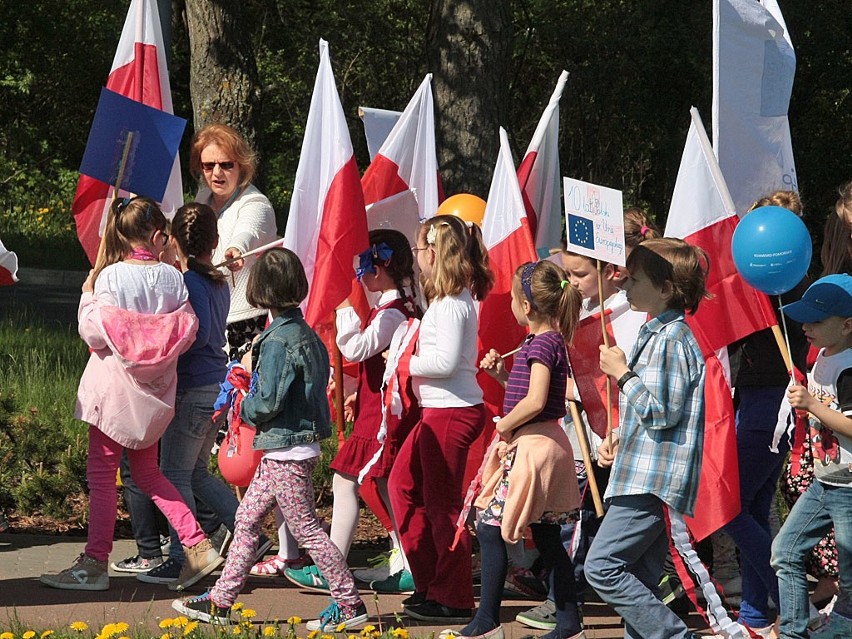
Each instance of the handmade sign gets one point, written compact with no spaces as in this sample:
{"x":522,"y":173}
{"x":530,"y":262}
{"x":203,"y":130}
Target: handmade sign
{"x":594,"y":221}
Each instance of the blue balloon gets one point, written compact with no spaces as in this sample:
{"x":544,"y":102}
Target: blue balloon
{"x":772,"y":249}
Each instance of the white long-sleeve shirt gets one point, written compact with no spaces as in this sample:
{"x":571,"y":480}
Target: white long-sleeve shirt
{"x":357,"y":345}
{"x":444,"y":370}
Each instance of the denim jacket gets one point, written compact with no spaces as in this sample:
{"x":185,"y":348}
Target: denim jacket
{"x":287,"y":403}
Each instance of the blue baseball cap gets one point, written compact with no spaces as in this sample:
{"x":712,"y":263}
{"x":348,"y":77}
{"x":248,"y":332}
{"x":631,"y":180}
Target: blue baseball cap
{"x":829,"y":296}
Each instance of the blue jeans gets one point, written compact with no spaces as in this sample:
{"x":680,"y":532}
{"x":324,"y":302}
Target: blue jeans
{"x":625,"y":563}
{"x":759,"y":471}
{"x":184,"y":455}
{"x":813,"y":515}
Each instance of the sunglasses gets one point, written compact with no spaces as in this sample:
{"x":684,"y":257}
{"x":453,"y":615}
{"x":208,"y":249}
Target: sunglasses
{"x":207,"y":167}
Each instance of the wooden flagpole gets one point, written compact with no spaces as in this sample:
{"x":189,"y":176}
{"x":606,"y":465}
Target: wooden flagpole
{"x":587,"y":457}
{"x":606,"y":343}
{"x":125,"y":155}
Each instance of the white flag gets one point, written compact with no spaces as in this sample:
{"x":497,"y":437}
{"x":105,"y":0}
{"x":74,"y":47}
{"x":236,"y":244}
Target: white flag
{"x":753,"y":68}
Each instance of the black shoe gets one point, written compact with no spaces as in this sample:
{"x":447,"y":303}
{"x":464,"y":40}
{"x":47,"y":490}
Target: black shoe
{"x":433,"y":611}
{"x":220,"y":539}
{"x":413,"y":600}
{"x":166,"y":573}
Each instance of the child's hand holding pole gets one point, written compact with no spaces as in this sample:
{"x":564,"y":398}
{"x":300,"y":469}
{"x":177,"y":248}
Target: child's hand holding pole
{"x":492,"y":363}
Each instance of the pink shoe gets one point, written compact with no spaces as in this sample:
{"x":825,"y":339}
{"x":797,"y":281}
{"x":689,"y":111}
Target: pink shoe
{"x":276,"y":565}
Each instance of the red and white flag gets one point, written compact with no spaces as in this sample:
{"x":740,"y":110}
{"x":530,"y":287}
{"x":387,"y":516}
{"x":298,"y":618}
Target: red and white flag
{"x":506,"y":234}
{"x":753,"y":69}
{"x":540,"y":178}
{"x":407,"y":159}
{"x":327,"y":225}
{"x":139,"y":72}
{"x":703,"y":214}
{"x":8,"y":266}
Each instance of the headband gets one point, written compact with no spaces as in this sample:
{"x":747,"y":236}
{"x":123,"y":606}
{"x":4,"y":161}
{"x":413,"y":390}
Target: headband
{"x":367,"y":260}
{"x":526,"y":282}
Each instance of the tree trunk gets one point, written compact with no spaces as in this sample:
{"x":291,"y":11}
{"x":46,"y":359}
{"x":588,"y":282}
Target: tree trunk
{"x":469,"y":47}
{"x":224,"y":84}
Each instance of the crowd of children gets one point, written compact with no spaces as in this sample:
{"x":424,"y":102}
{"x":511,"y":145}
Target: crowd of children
{"x":419,"y":408}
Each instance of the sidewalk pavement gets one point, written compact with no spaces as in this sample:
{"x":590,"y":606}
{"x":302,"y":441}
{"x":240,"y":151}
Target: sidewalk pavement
{"x":27,"y":604}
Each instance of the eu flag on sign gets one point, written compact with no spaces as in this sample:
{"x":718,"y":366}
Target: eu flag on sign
{"x":581,"y":232}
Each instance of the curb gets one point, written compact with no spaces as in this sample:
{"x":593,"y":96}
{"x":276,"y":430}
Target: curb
{"x":47,"y":277}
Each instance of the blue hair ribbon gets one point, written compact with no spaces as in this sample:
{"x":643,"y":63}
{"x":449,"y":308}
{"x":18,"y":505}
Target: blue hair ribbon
{"x":526,"y":282}
{"x":367,"y":260}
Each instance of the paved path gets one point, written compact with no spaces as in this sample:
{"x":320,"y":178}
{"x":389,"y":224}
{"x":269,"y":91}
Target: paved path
{"x":24,"y":557}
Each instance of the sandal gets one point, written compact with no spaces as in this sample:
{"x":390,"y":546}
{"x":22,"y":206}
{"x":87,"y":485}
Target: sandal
{"x":276,"y":565}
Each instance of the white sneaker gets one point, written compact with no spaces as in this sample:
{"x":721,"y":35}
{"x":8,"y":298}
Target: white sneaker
{"x":384,"y":566}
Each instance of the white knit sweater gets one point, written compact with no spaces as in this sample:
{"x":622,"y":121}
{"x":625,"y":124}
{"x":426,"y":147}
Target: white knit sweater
{"x":249,"y":222}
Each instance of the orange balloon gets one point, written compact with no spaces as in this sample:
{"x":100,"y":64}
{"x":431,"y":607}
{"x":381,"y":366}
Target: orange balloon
{"x":468,"y":207}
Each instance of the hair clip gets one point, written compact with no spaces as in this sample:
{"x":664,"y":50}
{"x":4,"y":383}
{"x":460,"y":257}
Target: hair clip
{"x":122,"y":204}
{"x":526,"y":282}
{"x":367,"y":260}
{"x":432,"y":235}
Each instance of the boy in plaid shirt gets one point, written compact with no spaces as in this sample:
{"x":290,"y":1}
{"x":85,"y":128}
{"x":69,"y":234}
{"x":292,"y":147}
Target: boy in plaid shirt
{"x":656,"y":458}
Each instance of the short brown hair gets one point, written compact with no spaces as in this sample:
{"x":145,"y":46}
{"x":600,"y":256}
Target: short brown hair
{"x":232,"y":142}
{"x":277,"y":281}
{"x":667,"y":259}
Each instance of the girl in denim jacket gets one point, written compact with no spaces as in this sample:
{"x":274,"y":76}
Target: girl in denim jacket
{"x":287,"y":405}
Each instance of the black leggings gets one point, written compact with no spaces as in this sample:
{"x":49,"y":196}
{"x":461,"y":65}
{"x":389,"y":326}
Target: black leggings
{"x":495,"y":565}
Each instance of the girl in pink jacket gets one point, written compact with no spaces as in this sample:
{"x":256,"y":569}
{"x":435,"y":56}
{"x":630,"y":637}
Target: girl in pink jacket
{"x":135,"y":316}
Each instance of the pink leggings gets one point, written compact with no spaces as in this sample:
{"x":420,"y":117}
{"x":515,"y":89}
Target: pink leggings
{"x":104,"y":458}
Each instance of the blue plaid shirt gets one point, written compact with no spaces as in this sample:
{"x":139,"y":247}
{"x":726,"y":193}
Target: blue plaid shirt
{"x":661,"y":438}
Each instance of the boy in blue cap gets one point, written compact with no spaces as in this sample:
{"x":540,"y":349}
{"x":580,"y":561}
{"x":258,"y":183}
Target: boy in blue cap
{"x":825,"y":312}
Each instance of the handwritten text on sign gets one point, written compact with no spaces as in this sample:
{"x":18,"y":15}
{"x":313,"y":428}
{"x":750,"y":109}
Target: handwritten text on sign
{"x":594,"y":221}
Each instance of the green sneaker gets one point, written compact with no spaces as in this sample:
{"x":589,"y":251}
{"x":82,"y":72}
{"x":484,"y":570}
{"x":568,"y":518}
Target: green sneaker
{"x":399,"y":583}
{"x":308,"y":577}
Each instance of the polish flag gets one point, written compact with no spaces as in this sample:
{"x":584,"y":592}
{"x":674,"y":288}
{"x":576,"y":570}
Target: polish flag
{"x":8,"y":266}
{"x":139,"y":72}
{"x":407,"y":159}
{"x":753,"y":69}
{"x":327,"y":225}
{"x":703,"y":214}
{"x":506,"y":234}
{"x":539,"y":176}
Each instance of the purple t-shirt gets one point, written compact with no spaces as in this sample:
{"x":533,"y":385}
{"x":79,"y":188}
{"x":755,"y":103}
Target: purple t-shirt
{"x":549,"y":349}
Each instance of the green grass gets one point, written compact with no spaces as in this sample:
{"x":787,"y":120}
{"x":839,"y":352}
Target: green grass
{"x":41,"y":365}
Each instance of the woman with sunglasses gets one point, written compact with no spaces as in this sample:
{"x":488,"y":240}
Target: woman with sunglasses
{"x":224,"y":165}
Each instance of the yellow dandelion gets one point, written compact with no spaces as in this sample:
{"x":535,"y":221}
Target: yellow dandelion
{"x":248,"y":613}
{"x":352,"y":637}
{"x":46,"y":634}
{"x":108,"y":630}
{"x":79,"y":626}
{"x":367,"y":629}
{"x":181,"y":621}
{"x":167,"y":623}
{"x":29,"y":634}
{"x":237,"y":606}
{"x":190,"y":627}
{"x":165,"y":635}
{"x":124,"y":637}
{"x":294,"y":620}
{"x":270,"y":631}
{"x":340,"y":627}
{"x":400,"y":633}
{"x":237,"y":630}
{"x":312,"y":634}
{"x":120,"y":627}
{"x":328,"y":637}
{"x":7,"y":635}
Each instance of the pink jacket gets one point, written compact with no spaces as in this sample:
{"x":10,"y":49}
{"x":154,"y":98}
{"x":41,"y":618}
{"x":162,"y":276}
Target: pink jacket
{"x":128,"y":388}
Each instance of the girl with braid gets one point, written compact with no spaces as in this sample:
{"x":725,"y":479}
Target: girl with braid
{"x":386,"y":267}
{"x":186,"y":445}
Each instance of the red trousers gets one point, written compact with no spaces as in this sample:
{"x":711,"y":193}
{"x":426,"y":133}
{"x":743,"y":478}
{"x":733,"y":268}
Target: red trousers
{"x":427,"y":492}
